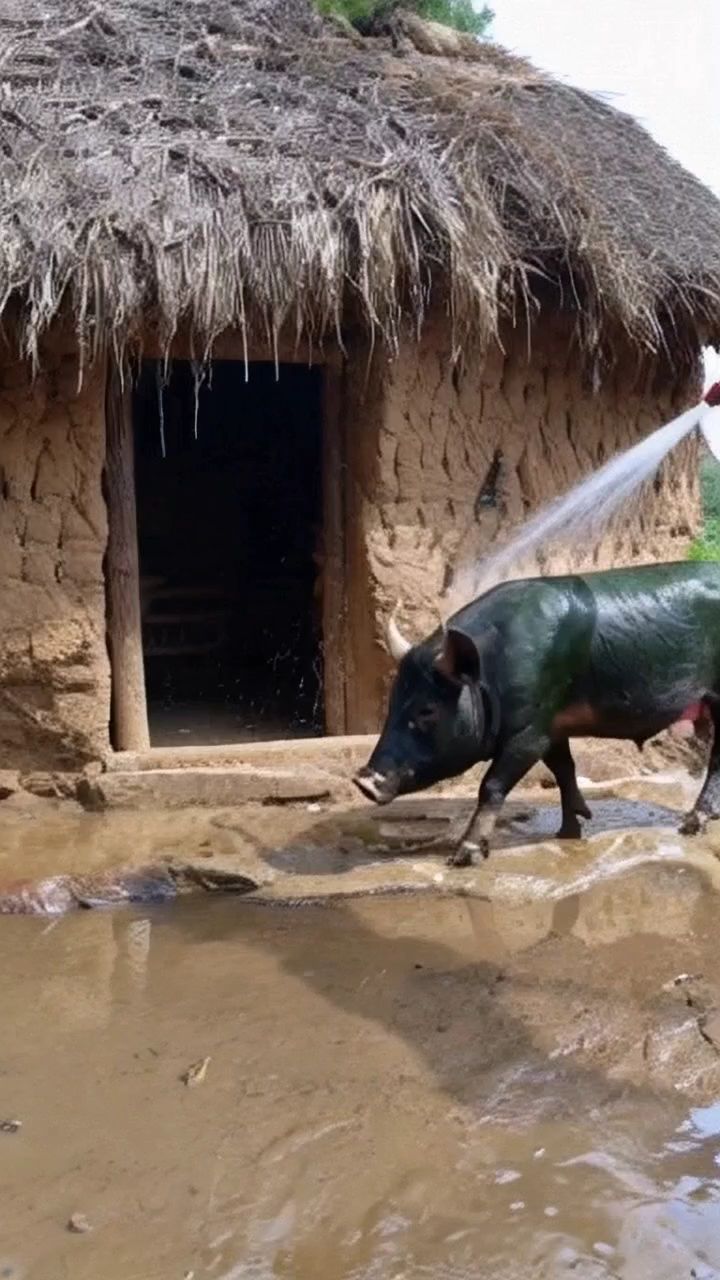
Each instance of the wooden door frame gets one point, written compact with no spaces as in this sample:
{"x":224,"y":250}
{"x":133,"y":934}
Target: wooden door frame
{"x":131,"y":731}
{"x":335,"y":583}
{"x":130,"y":722}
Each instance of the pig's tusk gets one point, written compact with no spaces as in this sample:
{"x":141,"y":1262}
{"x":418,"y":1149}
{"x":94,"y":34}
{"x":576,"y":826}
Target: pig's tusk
{"x":396,"y":642}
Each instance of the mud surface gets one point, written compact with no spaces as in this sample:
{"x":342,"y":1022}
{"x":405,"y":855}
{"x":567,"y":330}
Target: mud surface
{"x":301,"y":851}
{"x":426,"y":1085}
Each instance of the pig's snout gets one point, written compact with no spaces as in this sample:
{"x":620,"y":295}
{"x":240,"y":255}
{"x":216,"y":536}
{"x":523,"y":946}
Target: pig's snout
{"x":379,"y":787}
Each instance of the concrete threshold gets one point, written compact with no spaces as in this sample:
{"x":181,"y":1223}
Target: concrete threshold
{"x":279,"y":772}
{"x":337,"y":755}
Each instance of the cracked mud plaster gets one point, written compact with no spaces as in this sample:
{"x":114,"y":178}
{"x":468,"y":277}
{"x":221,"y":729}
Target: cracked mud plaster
{"x":441,"y":462}
{"x":461,"y":456}
{"x":54,"y":671}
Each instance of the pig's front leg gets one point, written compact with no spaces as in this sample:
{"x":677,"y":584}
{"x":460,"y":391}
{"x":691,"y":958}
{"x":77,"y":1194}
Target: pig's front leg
{"x":516,"y":758}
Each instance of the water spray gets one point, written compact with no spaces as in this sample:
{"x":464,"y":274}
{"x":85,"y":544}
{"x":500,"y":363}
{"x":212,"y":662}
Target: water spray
{"x":709,"y":419}
{"x":586,"y":510}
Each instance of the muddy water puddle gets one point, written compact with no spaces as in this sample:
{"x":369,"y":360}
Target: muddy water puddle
{"x":396,"y":1088}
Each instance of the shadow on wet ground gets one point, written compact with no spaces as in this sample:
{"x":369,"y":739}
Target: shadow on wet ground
{"x":440,"y":1087}
{"x":561,"y":956}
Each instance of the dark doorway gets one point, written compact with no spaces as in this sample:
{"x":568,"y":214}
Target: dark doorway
{"x":229,"y":508}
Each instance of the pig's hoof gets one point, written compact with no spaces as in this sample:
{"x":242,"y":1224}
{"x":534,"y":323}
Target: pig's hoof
{"x":695,"y":822}
{"x":468,"y":852}
{"x":569,"y":830}
{"x":692,"y":824}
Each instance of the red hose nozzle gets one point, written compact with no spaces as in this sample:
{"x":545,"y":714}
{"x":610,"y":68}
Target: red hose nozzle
{"x":712,"y":395}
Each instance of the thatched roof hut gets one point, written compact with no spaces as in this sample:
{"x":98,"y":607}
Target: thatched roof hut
{"x":213,"y":161}
{"x":237,"y":187}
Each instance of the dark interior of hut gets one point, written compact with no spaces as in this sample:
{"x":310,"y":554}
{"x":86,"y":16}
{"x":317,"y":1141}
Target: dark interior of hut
{"x":229,"y":510}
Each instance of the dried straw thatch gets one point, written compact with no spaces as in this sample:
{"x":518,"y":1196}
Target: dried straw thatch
{"x":231,"y":162}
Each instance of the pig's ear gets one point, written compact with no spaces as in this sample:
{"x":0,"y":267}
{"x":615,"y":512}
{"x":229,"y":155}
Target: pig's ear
{"x":458,"y":660}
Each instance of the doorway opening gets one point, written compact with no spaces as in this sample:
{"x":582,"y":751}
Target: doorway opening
{"x":228,"y":477}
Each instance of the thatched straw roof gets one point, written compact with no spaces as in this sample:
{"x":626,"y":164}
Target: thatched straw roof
{"x":222,"y":162}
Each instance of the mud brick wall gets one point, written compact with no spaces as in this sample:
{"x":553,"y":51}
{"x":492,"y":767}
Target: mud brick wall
{"x":425,"y":444}
{"x":54,"y":670}
{"x":448,"y":461}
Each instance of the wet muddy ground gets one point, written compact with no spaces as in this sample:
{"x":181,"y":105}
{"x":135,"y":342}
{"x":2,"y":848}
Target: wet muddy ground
{"x":515,"y":1073}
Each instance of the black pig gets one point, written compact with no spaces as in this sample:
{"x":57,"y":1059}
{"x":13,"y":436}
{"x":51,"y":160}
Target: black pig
{"x":530,"y":664}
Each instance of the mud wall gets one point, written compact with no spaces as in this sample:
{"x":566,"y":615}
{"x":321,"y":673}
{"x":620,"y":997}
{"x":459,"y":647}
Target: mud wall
{"x":447,"y":461}
{"x":439,"y":464}
{"x":54,"y":670}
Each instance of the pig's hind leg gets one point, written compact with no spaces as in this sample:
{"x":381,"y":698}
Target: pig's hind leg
{"x":560,"y":763}
{"x":707,"y":805}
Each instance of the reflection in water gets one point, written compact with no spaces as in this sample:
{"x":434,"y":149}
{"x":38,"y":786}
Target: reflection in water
{"x":138,"y":951}
{"x":704,"y":1121}
{"x":447,"y":1088}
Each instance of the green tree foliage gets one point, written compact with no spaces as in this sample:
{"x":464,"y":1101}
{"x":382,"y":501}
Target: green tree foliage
{"x":707,"y":546}
{"x":354,"y":10}
{"x":460,"y":14}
